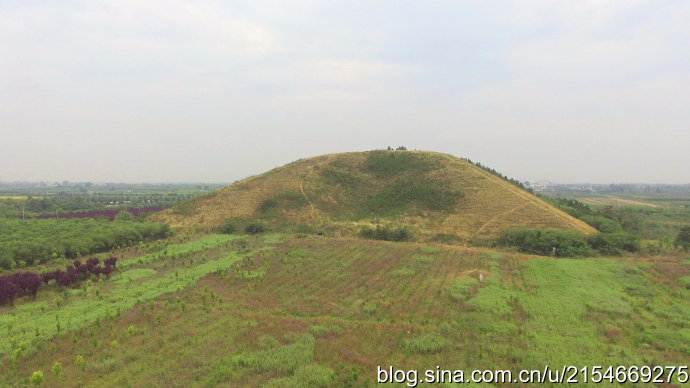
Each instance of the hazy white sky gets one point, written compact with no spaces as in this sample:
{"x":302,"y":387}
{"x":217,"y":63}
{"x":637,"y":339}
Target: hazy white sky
{"x":570,"y":91}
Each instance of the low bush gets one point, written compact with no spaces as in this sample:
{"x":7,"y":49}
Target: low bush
{"x":255,"y":228}
{"x":386,"y":233}
{"x":228,"y":227}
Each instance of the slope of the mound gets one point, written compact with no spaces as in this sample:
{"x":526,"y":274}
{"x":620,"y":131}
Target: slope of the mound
{"x":434,"y":194}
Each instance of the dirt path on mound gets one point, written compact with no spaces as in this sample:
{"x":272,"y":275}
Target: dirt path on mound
{"x":301,"y":189}
{"x":516,"y":208}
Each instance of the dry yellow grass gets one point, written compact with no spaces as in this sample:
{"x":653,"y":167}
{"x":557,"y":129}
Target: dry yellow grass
{"x":489,"y":204}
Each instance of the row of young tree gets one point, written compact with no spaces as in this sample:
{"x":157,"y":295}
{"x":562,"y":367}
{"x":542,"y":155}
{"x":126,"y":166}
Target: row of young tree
{"x":28,"y":283}
{"x":498,"y":174}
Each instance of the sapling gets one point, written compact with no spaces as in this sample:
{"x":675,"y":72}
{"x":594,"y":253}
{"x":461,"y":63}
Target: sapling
{"x":57,"y":369}
{"x":79,"y":362}
{"x":36,"y":378}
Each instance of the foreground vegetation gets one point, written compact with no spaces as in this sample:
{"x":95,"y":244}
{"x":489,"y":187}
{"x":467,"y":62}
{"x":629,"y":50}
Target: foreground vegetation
{"x":255,"y":311}
{"x":65,"y":308}
{"x":29,"y":283}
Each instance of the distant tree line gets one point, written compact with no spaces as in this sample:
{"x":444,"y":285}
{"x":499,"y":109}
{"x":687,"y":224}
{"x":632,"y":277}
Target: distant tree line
{"x":67,"y":208}
{"x":35,"y":206}
{"x":29,"y":283}
{"x":138,"y":213}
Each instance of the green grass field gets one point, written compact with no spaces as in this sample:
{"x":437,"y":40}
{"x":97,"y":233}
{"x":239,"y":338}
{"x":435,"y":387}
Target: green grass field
{"x":315,"y":312}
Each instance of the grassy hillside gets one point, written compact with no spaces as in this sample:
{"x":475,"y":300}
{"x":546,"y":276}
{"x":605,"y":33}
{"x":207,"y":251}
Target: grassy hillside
{"x":283,"y":311}
{"x":437,"y":195}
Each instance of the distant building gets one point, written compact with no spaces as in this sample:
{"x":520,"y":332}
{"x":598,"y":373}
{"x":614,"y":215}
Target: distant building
{"x":541,"y":186}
